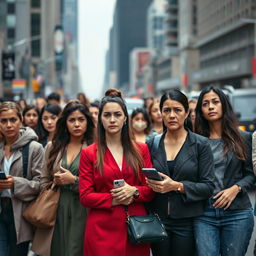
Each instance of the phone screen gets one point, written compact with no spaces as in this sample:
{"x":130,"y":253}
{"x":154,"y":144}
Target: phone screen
{"x":3,"y":176}
{"x":152,"y":174}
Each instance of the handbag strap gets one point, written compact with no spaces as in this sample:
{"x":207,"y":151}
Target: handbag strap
{"x":126,"y":211}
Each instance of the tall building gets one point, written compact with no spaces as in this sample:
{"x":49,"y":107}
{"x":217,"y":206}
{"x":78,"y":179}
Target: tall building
{"x":28,"y":30}
{"x":129,"y":31}
{"x":189,"y":56}
{"x":156,"y":30}
{"x":226,"y":42}
{"x":69,"y":17}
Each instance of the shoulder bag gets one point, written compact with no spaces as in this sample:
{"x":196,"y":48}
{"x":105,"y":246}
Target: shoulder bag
{"x":42,"y":212}
{"x":145,"y":229}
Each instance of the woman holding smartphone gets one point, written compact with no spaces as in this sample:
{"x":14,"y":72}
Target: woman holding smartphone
{"x":227,"y":223}
{"x":115,"y":156}
{"x":21,"y":185}
{"x":73,"y":132}
{"x":184,"y":161}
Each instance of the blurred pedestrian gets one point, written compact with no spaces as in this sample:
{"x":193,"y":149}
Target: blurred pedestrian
{"x":40,"y":103}
{"x":74,"y":131}
{"x":184,"y":161}
{"x":22,"y":182}
{"x":227,"y":223}
{"x":94,"y":110}
{"x":47,"y":122}
{"x":81,"y":96}
{"x":30,"y":116}
{"x":53,"y":98}
{"x":192,"y":112}
{"x":254,"y":170}
{"x":22,"y":104}
{"x":155,"y":117}
{"x":114,"y":156}
{"x":147,"y":102}
{"x":140,"y":125}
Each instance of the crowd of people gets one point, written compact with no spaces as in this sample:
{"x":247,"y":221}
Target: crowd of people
{"x":206,"y":164}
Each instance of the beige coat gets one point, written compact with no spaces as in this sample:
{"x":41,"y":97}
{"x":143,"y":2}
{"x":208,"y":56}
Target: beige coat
{"x":254,"y":152}
{"x":25,"y":189}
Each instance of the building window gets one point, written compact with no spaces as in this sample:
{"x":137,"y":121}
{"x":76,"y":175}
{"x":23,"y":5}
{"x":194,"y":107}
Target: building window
{"x":35,"y":24}
{"x":35,"y":48}
{"x":11,"y":33}
{"x":35,"y":31}
{"x":11,"y":20}
{"x":35,"y":3}
{"x":11,"y":8}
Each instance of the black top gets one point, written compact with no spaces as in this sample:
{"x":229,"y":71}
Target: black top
{"x":194,"y":168}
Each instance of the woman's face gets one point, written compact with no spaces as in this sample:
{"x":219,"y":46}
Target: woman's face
{"x":139,"y":123}
{"x":174,"y":115}
{"x":192,"y":112}
{"x":10,"y":124}
{"x":31,"y":118}
{"x":49,"y":121}
{"x":113,"y":118}
{"x":211,"y":107}
{"x":76,"y":124}
{"x":94,"y":112}
{"x":156,"y":114}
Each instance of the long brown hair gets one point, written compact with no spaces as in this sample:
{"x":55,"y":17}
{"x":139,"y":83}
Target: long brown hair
{"x":131,"y":151}
{"x":61,"y":136}
{"x":233,"y":141}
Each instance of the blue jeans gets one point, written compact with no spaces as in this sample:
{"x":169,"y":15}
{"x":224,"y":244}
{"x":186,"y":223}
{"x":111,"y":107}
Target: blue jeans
{"x":223,"y":232}
{"x":8,"y":240}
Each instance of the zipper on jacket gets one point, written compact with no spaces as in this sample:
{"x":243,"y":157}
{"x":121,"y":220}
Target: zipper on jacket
{"x":168,"y":207}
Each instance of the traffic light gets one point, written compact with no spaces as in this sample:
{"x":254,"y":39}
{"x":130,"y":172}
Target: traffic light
{"x":8,"y":66}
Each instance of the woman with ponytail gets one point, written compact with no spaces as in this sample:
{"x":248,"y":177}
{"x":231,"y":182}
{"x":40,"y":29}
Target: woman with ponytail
{"x":185,"y":163}
{"x":115,"y":156}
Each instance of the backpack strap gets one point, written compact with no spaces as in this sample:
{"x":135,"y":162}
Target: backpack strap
{"x":25,"y":155}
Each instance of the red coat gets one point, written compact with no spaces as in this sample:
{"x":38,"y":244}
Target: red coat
{"x":106,"y":230}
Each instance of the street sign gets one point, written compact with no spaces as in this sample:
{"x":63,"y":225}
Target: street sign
{"x":8,"y":66}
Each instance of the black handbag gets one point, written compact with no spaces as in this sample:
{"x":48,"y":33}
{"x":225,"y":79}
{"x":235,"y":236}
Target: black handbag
{"x":145,"y":229}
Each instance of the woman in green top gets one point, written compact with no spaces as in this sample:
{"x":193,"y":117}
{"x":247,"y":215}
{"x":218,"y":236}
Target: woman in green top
{"x":73,"y":132}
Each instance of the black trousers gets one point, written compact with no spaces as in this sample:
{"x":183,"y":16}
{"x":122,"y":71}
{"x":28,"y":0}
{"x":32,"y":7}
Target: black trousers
{"x":8,"y":246}
{"x":180,"y":240}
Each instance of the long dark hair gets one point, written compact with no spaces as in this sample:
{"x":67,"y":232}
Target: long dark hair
{"x":131,"y":151}
{"x":41,"y":131}
{"x":231,"y":136}
{"x":61,"y":136}
{"x":177,"y":95}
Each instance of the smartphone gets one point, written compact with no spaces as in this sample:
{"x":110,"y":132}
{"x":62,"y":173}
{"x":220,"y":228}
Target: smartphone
{"x":152,"y":174}
{"x":118,"y":183}
{"x":2,"y":176}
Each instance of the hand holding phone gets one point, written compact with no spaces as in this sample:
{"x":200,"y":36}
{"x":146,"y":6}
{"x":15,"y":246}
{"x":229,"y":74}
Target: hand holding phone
{"x":152,"y":174}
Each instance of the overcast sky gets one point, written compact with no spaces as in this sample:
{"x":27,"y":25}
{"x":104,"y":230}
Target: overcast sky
{"x":95,"y":20}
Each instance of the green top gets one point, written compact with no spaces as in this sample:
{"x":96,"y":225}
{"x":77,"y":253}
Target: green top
{"x":71,"y":216}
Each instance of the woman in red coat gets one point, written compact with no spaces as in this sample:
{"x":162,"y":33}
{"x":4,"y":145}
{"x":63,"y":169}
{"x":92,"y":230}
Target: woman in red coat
{"x":115,"y":156}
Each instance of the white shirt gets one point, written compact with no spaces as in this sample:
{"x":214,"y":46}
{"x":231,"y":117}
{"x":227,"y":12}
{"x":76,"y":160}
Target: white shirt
{"x":7,"y":166}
